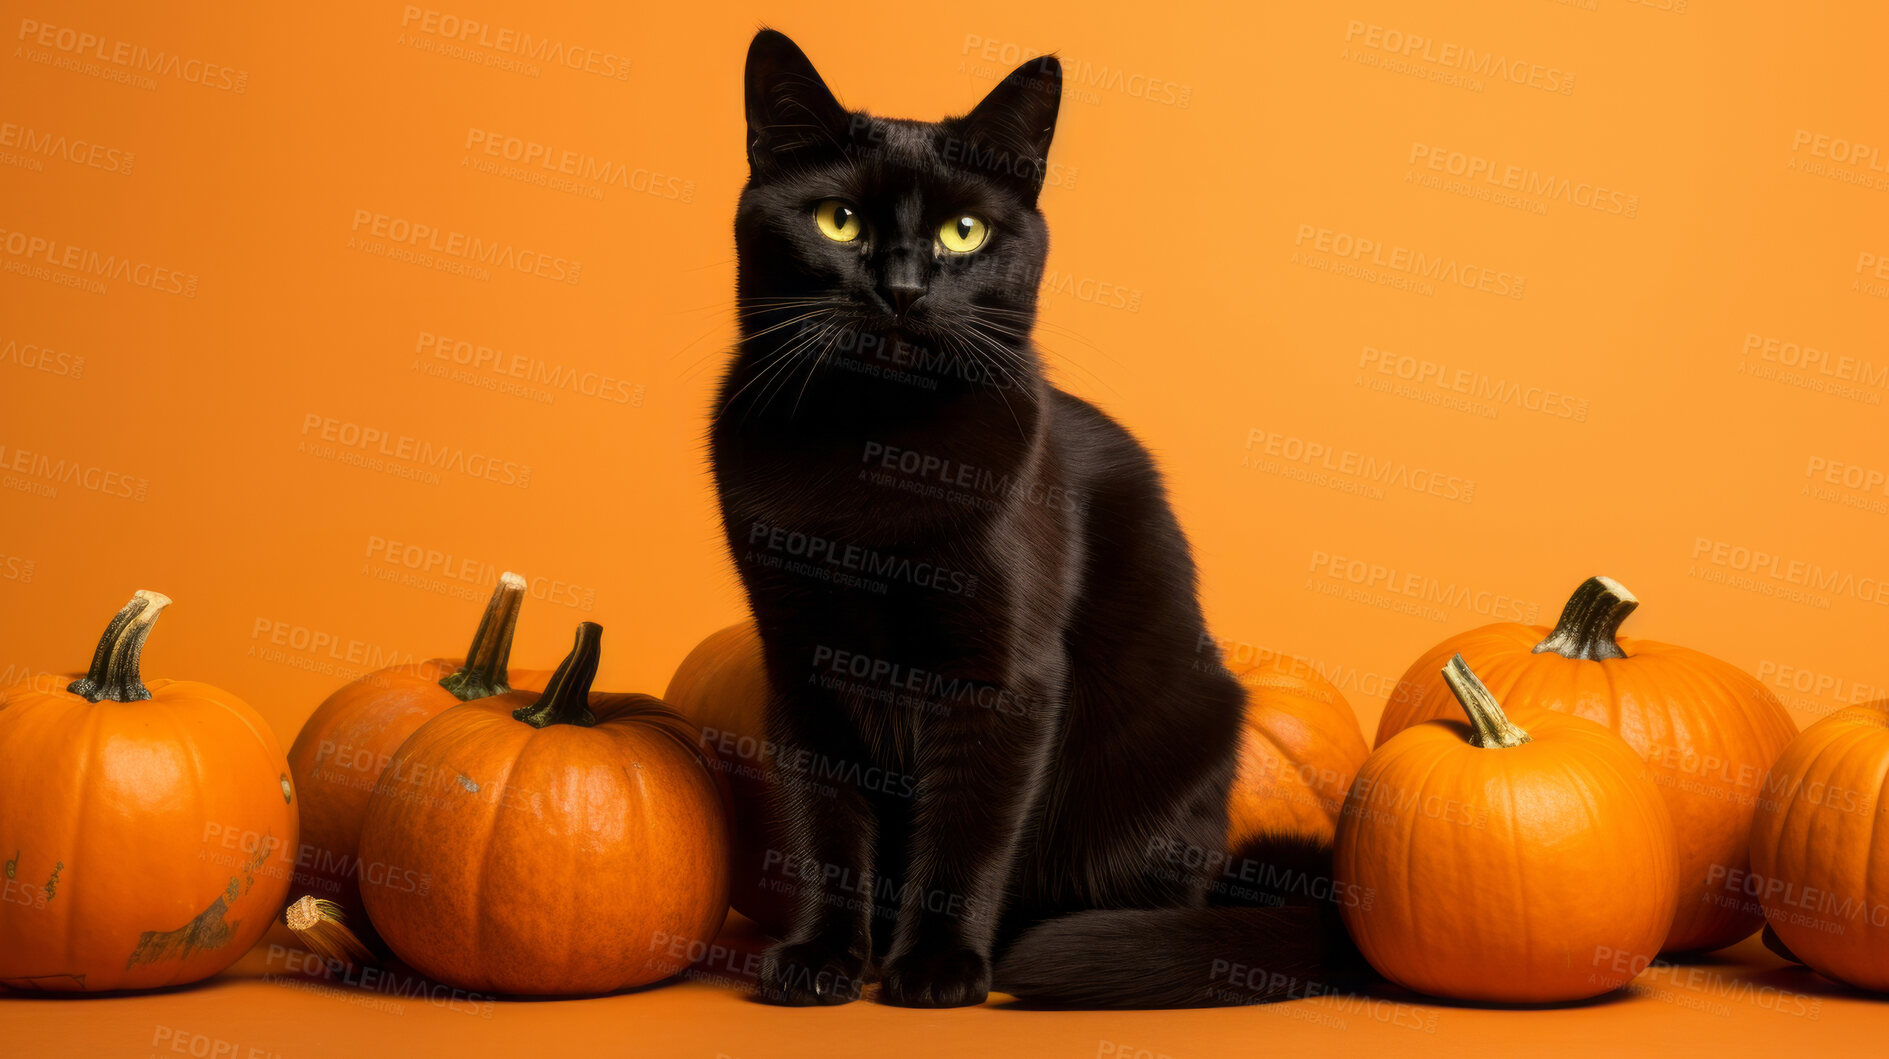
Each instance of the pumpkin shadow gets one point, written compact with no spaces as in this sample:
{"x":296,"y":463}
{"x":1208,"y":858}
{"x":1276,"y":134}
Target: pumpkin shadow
{"x":1708,"y":958}
{"x":1383,"y":992}
{"x":1364,"y":986}
{"x":731,"y":963}
{"x":1797,"y":978}
{"x":11,"y":993}
{"x":1622,"y":995}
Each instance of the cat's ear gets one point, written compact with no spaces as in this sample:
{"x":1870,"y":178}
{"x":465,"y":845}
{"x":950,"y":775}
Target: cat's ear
{"x":1013,"y":126}
{"x":790,"y":110}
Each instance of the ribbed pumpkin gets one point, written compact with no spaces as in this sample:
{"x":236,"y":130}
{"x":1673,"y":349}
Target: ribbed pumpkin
{"x":346,"y":744}
{"x":148,"y":828}
{"x":1299,"y":749}
{"x":722,"y":688}
{"x":557,"y":844}
{"x":1820,"y":852}
{"x":1708,"y":730}
{"x":1514,"y":863}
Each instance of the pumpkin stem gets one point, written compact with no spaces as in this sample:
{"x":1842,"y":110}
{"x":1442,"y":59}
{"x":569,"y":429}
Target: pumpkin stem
{"x":114,"y":674}
{"x":323,"y":927}
{"x":1493,"y":727}
{"x":566,"y":699}
{"x":1591,"y":621}
{"x":485,"y":672}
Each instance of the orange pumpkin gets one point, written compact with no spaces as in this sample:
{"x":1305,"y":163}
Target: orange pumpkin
{"x":1708,"y":730}
{"x":1496,"y":863}
{"x":148,"y":829}
{"x":555,"y":844}
{"x":348,"y":741}
{"x":1300,"y":746}
{"x":1819,"y":855}
{"x":722,"y":688}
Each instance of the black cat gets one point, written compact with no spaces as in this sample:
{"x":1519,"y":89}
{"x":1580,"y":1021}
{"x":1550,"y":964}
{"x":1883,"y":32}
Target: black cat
{"x":996,"y":736}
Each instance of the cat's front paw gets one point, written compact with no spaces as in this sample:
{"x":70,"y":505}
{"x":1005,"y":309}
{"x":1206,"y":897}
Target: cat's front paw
{"x":811,"y":972}
{"x":950,"y":978}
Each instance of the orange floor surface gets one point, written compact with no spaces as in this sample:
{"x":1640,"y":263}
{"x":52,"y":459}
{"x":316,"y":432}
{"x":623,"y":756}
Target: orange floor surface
{"x":275,"y":1005}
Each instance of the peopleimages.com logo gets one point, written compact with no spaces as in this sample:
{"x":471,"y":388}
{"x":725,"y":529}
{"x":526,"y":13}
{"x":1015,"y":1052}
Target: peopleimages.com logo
{"x":127,"y":59}
{"x":1459,"y":58}
{"x":462,"y":249}
{"x":516,"y":45}
{"x":1378,"y":261}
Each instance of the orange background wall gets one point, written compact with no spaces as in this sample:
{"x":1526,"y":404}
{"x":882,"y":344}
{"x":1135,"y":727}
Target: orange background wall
{"x":1651,"y":222}
{"x":1652,"y":348}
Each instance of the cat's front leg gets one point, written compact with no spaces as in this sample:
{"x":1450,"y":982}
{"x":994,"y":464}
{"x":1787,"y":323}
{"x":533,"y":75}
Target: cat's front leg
{"x":827,"y":834}
{"x":979,"y":778}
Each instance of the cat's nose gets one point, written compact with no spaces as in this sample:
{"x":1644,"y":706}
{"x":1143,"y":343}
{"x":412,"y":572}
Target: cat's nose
{"x":903,"y":296}
{"x":904,"y":280}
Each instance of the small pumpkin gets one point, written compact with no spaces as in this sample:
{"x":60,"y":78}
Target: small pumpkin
{"x":1708,"y":730}
{"x":722,"y":688}
{"x":347,"y":742}
{"x":557,"y":844}
{"x":1300,"y":747}
{"x":148,"y":828}
{"x":1820,"y":852}
{"x":1497,"y":863}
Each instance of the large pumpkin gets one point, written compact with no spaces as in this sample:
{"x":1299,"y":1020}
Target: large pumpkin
{"x":1820,"y":850}
{"x":1497,"y":863}
{"x":1708,"y":730}
{"x":344,"y":746}
{"x":722,"y":688}
{"x":556,"y":844}
{"x":148,"y":828}
{"x":1300,"y":746}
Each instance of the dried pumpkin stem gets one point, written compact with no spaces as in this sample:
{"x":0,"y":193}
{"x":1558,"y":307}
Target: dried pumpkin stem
{"x":486,"y":670}
{"x":323,"y":927}
{"x":1591,"y":621}
{"x":114,"y":673}
{"x":1493,"y":727}
{"x":566,"y":699}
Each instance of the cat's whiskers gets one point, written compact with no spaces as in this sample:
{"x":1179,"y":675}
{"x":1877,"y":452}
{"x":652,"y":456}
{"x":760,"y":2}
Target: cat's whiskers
{"x":695,"y":367}
{"x":771,"y":363}
{"x":790,"y":352}
{"x":776,"y":302}
{"x":756,"y":307}
{"x":1040,"y":325}
{"x":1005,"y":352}
{"x":789,"y":322}
{"x":838,"y":334}
{"x":952,"y":339}
{"x":799,"y":353}
{"x":760,"y":371}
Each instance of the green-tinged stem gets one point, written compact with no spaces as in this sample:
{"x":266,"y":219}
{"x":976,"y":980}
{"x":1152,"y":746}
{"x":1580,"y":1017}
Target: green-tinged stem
{"x":114,"y":674}
{"x":566,"y":699}
{"x":1591,"y":621}
{"x":1493,"y":727}
{"x":485,"y":672}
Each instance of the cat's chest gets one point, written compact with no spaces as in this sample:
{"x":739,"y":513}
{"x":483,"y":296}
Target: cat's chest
{"x":842,"y":505}
{"x":888,"y":487}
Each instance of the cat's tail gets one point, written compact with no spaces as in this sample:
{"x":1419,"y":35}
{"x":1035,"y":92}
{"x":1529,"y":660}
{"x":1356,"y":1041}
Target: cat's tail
{"x":1194,"y":957}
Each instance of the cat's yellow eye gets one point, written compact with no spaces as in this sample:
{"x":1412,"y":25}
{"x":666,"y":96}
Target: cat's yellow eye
{"x":838,"y":221}
{"x":963,"y":233}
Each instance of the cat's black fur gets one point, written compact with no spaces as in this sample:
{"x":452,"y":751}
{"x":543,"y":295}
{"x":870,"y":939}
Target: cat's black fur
{"x":1000,"y":734}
